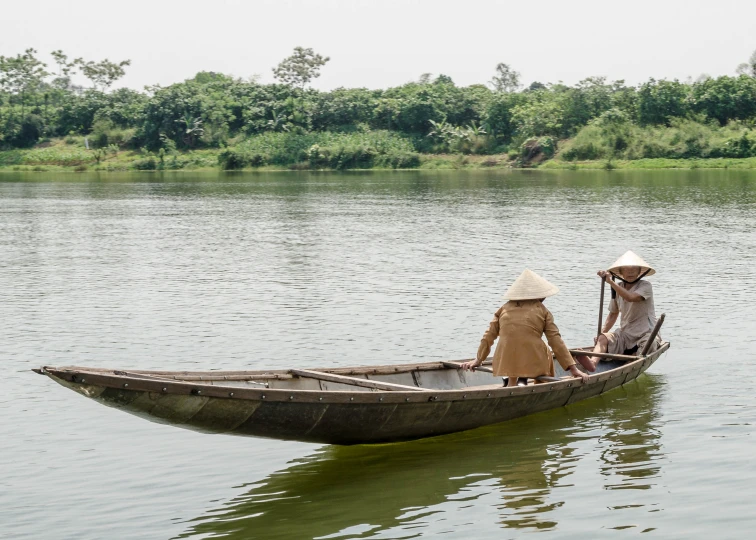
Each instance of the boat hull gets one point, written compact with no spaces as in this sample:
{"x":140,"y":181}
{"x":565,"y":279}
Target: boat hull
{"x":334,"y":417}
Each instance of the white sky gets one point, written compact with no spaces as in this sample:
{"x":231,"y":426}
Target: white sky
{"x":382,"y":43}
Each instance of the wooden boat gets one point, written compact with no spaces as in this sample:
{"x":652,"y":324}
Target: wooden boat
{"x":372,"y":404}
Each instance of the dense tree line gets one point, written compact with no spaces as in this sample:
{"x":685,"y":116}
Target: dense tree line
{"x":436,"y":115}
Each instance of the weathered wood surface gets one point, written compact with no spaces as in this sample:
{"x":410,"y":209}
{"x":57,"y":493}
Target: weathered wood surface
{"x":338,"y":417}
{"x":484,"y":369}
{"x":366,"y":383}
{"x":456,"y":365}
{"x":654,"y":333}
{"x":601,"y":307}
{"x":608,"y":356}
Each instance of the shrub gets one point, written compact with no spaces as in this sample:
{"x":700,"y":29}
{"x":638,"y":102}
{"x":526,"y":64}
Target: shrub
{"x":105,"y":133}
{"x":29,"y":133}
{"x":56,"y":156}
{"x":322,"y":150}
{"x":536,"y":146}
{"x":146,"y":164}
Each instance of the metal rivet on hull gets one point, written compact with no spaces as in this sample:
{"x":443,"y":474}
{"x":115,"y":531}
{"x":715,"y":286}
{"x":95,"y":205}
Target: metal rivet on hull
{"x":125,"y":385}
{"x":230,"y":394}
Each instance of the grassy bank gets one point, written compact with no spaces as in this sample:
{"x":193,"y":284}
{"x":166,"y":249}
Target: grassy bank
{"x":325,"y":151}
{"x":268,"y":151}
{"x":652,"y":163}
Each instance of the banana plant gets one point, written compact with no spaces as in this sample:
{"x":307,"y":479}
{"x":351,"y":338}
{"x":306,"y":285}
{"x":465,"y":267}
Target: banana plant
{"x":192,"y":129}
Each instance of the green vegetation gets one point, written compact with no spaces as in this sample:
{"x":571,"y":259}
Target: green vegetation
{"x":215,"y":120}
{"x":323,"y":150}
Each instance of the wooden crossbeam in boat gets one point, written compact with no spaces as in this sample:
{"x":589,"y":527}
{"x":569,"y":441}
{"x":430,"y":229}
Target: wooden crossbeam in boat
{"x":542,"y":378}
{"x":608,"y":356}
{"x":455,"y":365}
{"x":354,"y":381}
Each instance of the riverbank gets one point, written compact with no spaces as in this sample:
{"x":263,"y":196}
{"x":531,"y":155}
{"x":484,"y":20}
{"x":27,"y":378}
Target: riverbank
{"x":57,"y":155}
{"x":652,"y":164}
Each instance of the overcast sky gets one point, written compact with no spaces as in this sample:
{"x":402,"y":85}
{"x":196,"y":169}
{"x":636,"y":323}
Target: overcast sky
{"x":382,"y":43}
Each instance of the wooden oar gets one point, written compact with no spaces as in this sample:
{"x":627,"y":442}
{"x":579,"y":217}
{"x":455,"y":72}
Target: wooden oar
{"x":601,"y":307}
{"x":652,"y":337}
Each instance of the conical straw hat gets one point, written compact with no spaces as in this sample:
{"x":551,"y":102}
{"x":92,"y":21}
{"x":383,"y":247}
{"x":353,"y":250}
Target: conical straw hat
{"x":530,"y":286}
{"x":631,"y":259}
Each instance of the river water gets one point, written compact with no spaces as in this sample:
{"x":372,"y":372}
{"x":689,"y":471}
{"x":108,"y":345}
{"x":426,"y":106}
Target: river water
{"x":250,"y":271}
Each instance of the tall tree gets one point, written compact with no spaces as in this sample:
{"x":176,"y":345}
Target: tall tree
{"x":22,"y":74}
{"x":63,"y":78}
{"x":748,"y":68}
{"x":102,"y":74}
{"x":300,"y":68}
{"x":506,"y":79}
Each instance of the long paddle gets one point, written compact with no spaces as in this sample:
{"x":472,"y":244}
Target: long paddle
{"x":601,"y":307}
{"x":653,"y":335}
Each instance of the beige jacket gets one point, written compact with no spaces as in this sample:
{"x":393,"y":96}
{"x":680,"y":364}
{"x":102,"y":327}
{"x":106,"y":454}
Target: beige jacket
{"x":521,"y":352}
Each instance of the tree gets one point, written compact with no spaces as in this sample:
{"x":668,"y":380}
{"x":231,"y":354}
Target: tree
{"x":748,"y":68}
{"x":22,"y":74}
{"x":102,"y":74}
{"x":659,"y":101}
{"x":506,"y":79}
{"x":725,"y":98}
{"x":300,"y":68}
{"x":535,"y":86}
{"x":63,"y":79}
{"x":206,"y":77}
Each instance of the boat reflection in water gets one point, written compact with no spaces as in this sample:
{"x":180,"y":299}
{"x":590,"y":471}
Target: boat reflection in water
{"x":522,"y":473}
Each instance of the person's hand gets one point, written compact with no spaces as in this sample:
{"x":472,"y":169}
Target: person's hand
{"x":471,"y":365}
{"x":575,"y":372}
{"x":603,"y":274}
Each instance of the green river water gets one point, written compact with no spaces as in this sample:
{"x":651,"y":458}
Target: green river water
{"x":275,"y":270}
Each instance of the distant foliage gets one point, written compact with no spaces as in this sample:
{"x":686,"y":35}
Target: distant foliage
{"x":322,"y":150}
{"x":683,"y":139}
{"x":300,"y":68}
{"x":748,"y":68}
{"x":288,"y":122}
{"x":506,"y":79}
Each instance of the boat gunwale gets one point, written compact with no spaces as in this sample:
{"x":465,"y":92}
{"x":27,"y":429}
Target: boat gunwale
{"x":131,"y":381}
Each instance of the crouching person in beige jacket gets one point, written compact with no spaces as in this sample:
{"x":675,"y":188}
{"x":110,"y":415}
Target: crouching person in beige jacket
{"x":520,"y":324}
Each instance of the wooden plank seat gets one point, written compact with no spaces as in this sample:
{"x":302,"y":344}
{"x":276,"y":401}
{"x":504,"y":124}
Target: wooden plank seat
{"x":354,"y":381}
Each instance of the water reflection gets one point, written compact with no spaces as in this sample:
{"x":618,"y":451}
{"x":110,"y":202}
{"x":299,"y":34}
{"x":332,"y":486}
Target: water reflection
{"x":522,"y":470}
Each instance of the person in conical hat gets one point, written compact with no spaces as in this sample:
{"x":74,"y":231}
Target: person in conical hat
{"x":520,"y":324}
{"x":633,"y":303}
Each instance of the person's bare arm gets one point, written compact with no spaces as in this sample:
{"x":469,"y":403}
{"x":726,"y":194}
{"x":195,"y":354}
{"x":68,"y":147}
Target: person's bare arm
{"x":624,"y":293}
{"x":610,"y":320}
